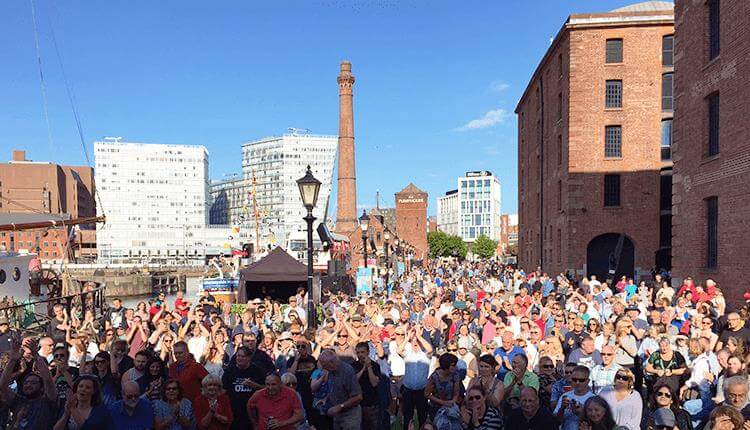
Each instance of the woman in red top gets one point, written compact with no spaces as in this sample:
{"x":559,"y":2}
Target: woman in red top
{"x":213,"y":411}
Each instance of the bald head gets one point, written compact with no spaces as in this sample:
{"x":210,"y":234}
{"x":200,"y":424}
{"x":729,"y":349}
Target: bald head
{"x":329,"y":360}
{"x":529,"y":401}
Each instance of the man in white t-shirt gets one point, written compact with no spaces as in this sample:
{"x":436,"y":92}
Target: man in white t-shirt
{"x":571,"y":403}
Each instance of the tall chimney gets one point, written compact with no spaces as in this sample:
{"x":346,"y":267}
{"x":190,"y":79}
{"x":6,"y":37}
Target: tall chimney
{"x":19,"y":155}
{"x":346,"y":209}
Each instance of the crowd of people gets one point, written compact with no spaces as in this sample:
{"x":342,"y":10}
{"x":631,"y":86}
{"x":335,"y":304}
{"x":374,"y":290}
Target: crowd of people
{"x":448,"y":345}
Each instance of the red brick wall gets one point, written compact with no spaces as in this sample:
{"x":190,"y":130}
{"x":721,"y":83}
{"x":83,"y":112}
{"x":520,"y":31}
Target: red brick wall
{"x":25,"y":184}
{"x":411,"y":220}
{"x":52,"y":242}
{"x":726,"y":176}
{"x":572,"y":190}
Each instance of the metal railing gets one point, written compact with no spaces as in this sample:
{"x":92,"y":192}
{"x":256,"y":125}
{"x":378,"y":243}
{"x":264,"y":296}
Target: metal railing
{"x":33,"y":316}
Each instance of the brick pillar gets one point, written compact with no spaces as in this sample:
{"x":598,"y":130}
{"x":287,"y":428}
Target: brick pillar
{"x":346,"y":203}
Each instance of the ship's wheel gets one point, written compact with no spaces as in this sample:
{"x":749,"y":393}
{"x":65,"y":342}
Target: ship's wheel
{"x":50,"y":279}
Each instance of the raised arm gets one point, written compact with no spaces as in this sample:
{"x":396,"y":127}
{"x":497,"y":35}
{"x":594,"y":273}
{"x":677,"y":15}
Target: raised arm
{"x":5,"y":378}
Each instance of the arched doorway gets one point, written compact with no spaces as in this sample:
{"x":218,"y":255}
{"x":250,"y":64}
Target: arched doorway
{"x":610,"y":256}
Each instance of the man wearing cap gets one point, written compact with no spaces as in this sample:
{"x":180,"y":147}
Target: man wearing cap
{"x":663,"y":418}
{"x":293,"y":307}
{"x":466,"y":360}
{"x":287,"y":351}
{"x":7,"y":336}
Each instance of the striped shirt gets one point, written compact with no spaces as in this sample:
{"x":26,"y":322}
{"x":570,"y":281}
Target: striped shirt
{"x":492,"y":420}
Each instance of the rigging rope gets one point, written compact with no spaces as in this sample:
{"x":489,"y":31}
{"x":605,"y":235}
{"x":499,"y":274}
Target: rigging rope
{"x":41,"y":74}
{"x":71,"y":100}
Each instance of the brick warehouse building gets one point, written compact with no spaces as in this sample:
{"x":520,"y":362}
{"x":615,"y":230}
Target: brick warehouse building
{"x":32,"y":191}
{"x":594,"y":130}
{"x":411,"y":218}
{"x":711,"y":233}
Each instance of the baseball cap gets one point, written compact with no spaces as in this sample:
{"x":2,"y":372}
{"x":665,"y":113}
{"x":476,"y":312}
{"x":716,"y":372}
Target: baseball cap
{"x":464,"y":343}
{"x":664,"y":417}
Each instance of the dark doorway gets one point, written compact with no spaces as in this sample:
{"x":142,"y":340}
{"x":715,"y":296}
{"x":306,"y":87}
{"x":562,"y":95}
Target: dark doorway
{"x":610,"y":256}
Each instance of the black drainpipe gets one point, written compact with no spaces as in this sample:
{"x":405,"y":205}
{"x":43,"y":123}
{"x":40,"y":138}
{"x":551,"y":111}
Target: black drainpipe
{"x":541,"y":171}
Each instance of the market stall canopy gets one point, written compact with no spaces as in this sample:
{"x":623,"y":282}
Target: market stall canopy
{"x":275,"y":268}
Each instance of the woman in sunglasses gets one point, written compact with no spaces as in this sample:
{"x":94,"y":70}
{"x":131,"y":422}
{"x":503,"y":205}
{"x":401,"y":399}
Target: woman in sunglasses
{"x":110,"y":385}
{"x":180,"y":409}
{"x":664,"y":397}
{"x":493,"y":387}
{"x":547,"y":377}
{"x":625,"y":402}
{"x":475,"y":414}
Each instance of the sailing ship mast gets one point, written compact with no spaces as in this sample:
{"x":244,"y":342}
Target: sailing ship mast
{"x":256,"y":213}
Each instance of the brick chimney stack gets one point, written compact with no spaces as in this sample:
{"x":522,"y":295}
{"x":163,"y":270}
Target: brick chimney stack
{"x":19,"y":155}
{"x":346,"y":203}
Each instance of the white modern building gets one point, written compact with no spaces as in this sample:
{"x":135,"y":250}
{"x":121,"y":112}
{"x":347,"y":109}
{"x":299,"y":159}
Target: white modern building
{"x":473,"y":209}
{"x":155,"y":198}
{"x":479,"y":206}
{"x":447,"y":213}
{"x":229,"y":201}
{"x":275,"y":164}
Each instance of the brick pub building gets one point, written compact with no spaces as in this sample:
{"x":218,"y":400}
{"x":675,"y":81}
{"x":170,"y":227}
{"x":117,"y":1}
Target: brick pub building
{"x":594,"y":129}
{"x":711,"y":233}
{"x":411,"y":219}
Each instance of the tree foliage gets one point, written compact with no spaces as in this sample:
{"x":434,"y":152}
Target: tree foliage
{"x":484,"y":247}
{"x":443,"y":245}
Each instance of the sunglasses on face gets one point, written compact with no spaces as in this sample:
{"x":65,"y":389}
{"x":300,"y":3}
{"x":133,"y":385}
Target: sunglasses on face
{"x":606,"y":354}
{"x":622,"y":377}
{"x":548,"y":366}
{"x":664,"y":394}
{"x":452,"y":350}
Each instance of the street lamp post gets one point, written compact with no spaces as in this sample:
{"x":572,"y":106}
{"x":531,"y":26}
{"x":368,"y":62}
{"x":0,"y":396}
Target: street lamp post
{"x":386,"y":239}
{"x":308,"y":190}
{"x":364,"y":224}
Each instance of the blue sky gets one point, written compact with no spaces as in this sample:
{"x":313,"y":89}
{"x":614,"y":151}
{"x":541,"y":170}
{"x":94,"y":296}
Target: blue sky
{"x":437,"y":81}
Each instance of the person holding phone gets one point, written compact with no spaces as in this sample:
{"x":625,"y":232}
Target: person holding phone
{"x":568,"y":410}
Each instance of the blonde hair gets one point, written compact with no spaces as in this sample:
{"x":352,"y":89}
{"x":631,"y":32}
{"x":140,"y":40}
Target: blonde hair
{"x":554,"y":347}
{"x":629,"y":373}
{"x":621,"y":323}
{"x":288,"y":378}
{"x":210,"y":379}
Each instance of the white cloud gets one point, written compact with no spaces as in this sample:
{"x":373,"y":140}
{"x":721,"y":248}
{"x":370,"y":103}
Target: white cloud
{"x":489,"y":119}
{"x":492,"y":150}
{"x":499,"y":86}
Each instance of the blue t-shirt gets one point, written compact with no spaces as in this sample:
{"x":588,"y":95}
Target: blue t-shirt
{"x":321,"y":401}
{"x":503,"y":354}
{"x":142,"y":418}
